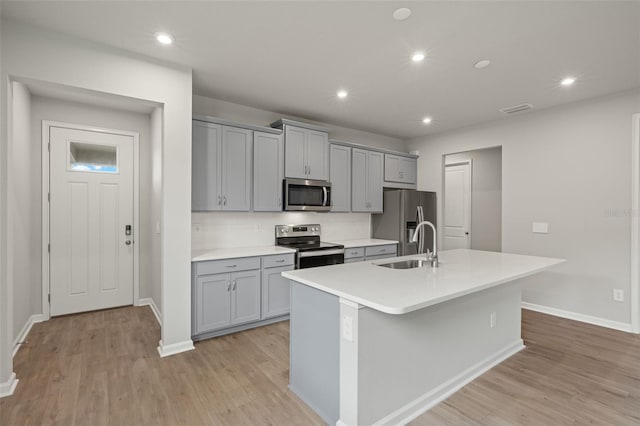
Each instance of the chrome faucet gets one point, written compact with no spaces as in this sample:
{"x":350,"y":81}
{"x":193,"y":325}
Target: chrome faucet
{"x":431,"y":256}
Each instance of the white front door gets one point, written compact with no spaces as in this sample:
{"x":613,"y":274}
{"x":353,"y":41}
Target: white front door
{"x":91,"y":189}
{"x":457,"y":206}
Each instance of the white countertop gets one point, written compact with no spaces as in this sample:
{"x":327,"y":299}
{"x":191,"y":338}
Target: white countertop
{"x":230,"y":253}
{"x":366,"y":242}
{"x":399,"y":291}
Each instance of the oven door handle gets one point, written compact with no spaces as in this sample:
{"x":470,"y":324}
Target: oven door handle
{"x":324,"y":193}
{"x":318,"y":253}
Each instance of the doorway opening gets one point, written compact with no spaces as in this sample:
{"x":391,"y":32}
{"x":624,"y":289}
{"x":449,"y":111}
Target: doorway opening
{"x":472,"y":199}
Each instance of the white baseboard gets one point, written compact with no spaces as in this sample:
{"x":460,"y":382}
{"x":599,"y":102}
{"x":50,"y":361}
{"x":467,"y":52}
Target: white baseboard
{"x":427,"y":401}
{"x":147,"y":301}
{"x":21,"y":337}
{"x":7,"y":388}
{"x":602,"y":322}
{"x":175,"y":348}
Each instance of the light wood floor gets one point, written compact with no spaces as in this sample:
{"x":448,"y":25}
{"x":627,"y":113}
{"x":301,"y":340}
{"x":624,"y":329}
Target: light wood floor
{"x":103,"y":368}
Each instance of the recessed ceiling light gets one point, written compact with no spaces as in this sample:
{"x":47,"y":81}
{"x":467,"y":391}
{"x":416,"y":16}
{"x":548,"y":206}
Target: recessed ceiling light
{"x":482,"y":63}
{"x":426,"y":120}
{"x":164,"y":38}
{"x":568,"y":81}
{"x":401,"y":14}
{"x":342,"y":94}
{"x":417,"y":57}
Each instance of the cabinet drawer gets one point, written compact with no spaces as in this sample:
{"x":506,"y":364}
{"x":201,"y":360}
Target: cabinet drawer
{"x":227,"y":265}
{"x":354,"y":260}
{"x":381,"y":250}
{"x":353,"y":252}
{"x":277,"y":260}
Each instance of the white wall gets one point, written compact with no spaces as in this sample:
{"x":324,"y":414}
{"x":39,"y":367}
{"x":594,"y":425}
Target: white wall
{"x":44,"y":108}
{"x":40,"y":55}
{"x":25,"y":252}
{"x":156,"y":207}
{"x":486,"y":196}
{"x":568,"y":166}
{"x":245,"y":114}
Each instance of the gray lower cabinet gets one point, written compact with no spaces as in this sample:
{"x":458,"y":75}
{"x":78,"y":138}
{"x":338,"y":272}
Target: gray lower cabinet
{"x":340,"y":176}
{"x":223,"y":300}
{"x":367,"y":179}
{"x":268,"y":171}
{"x":275,"y":292}
{"x":252,"y":295}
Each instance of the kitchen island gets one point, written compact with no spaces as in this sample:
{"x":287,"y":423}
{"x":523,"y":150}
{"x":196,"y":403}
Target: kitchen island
{"x":376,"y":345}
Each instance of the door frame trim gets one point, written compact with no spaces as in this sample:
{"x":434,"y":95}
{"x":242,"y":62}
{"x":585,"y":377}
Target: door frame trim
{"x":46,"y":126}
{"x":468,"y":162}
{"x":635,"y":224}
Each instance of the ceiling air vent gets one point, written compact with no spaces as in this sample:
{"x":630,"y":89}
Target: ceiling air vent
{"x":517,"y":108}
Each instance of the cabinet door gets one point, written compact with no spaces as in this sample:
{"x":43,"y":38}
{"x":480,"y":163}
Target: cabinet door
{"x":340,"y":176}
{"x":317,"y":155}
{"x":408,"y":170}
{"x":268,"y":153}
{"x":205,"y":170}
{"x":236,"y":168}
{"x":392,"y":168}
{"x":295,"y":165}
{"x":245,"y":297}
{"x":359,"y":187}
{"x":374,"y":180}
{"x":275,"y":292}
{"x":212,"y":303}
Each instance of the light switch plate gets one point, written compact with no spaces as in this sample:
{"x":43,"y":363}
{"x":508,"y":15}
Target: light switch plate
{"x":540,"y":228}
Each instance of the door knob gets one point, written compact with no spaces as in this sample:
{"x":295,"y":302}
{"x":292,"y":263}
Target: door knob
{"x":128,"y":242}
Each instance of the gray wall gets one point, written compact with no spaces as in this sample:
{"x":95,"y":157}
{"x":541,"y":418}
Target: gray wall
{"x":44,"y":108}
{"x":569,"y":166}
{"x":486,"y":196}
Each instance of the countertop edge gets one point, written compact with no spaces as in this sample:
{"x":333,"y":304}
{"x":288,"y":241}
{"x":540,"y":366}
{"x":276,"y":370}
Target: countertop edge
{"x":405,"y":310}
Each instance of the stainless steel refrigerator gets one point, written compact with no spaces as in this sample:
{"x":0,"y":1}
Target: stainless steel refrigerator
{"x":402,"y":213}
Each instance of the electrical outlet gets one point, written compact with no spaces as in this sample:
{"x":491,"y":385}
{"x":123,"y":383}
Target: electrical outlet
{"x":347,"y":328}
{"x":492,"y":319}
{"x":618,"y":295}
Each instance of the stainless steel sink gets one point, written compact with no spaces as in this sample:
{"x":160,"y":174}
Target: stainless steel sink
{"x":406,"y":264}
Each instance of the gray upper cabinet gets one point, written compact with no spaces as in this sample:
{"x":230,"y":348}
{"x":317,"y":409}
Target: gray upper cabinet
{"x":221,"y":167}
{"x":206,"y":175}
{"x":236,"y":168}
{"x":306,"y":153}
{"x":400,"y":169}
{"x":366,"y":179}
{"x":268,"y":171}
{"x":340,"y":176}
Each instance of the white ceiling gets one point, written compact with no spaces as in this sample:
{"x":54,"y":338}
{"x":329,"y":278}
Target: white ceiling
{"x":291,"y":57}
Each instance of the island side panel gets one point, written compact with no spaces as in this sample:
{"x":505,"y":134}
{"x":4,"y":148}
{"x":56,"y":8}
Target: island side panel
{"x":407,"y":363}
{"x":314,"y":366}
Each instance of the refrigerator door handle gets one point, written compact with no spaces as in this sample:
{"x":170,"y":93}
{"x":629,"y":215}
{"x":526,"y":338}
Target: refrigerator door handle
{"x":421,"y":236}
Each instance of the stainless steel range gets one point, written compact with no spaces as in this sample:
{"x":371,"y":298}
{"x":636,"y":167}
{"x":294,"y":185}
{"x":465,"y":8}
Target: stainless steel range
{"x":310,"y":251}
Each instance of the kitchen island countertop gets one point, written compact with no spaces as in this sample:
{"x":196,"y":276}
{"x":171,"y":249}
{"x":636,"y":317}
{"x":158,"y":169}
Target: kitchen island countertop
{"x":400,"y":291}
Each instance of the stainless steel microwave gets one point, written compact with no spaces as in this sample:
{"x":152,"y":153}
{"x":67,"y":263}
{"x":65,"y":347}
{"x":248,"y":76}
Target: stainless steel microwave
{"x":307,"y":195}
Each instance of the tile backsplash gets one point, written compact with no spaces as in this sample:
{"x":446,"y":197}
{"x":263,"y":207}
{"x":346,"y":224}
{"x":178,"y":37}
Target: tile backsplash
{"x":210,"y":230}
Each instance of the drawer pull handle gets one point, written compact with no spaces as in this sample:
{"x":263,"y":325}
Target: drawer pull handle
{"x":280,"y":261}
{"x":232,"y":266}
{"x":234,"y":285}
